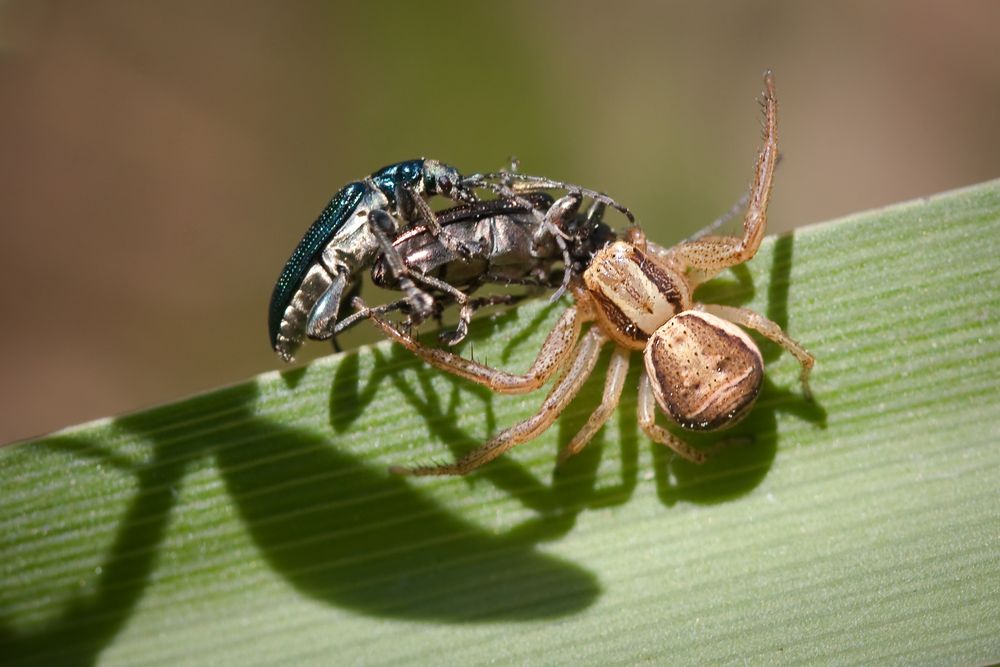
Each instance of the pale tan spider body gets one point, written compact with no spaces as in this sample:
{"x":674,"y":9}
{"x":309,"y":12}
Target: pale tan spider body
{"x":700,"y":368}
{"x":705,"y":372}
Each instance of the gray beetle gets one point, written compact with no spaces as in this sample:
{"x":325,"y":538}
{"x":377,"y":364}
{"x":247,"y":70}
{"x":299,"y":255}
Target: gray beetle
{"x":500,"y":241}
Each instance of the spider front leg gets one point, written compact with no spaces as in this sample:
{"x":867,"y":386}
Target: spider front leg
{"x":706,"y":257}
{"x":564,"y":391}
{"x":555,"y":351}
{"x":733,"y":211}
{"x":753,"y":320}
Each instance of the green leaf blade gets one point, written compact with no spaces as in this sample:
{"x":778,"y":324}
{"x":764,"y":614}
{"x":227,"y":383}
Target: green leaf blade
{"x":257,"y":524}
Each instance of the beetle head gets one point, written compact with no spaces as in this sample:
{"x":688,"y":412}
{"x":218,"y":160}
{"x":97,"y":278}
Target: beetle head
{"x":441,"y":179}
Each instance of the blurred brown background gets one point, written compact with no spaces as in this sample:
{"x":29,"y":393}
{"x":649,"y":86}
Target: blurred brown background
{"x":159,"y":160}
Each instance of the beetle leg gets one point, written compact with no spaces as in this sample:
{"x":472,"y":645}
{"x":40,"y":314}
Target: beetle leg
{"x":646,"y":412}
{"x":425,"y":214}
{"x":324,"y":313}
{"x":614,"y":382}
{"x":496,"y":300}
{"x":522,"y":183}
{"x":473,"y":305}
{"x":595,"y":214}
{"x":554,"y":220}
{"x":554,"y":224}
{"x":558,"y":211}
{"x":551,"y":357}
{"x":753,"y":320}
{"x":461,"y":330}
{"x":461,"y":298}
{"x":562,"y":393}
{"x":381,"y":225}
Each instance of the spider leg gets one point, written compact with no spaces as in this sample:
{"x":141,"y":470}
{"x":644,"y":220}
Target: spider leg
{"x":706,"y":257}
{"x":358,"y":315}
{"x":752,"y":320}
{"x":711,"y":227}
{"x":733,"y":211}
{"x":614,"y":382}
{"x":562,"y":393}
{"x":552,"y":356}
{"x":646,"y":412}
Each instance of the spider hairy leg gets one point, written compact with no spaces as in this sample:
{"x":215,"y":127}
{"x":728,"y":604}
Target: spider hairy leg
{"x":646,"y":412}
{"x":564,"y":391}
{"x":555,"y":351}
{"x":752,"y":320}
{"x":706,"y":257}
{"x":614,"y":383}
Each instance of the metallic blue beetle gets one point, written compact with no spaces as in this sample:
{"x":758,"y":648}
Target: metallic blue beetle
{"x":345,"y":239}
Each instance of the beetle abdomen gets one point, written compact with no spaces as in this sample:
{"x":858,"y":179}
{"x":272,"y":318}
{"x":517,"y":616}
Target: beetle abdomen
{"x":319,"y":234}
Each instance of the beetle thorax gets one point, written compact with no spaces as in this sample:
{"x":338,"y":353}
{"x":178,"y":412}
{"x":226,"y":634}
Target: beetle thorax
{"x":634,"y":294}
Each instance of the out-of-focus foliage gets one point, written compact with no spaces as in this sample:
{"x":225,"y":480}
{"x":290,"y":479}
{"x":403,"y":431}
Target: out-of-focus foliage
{"x":161,"y":159}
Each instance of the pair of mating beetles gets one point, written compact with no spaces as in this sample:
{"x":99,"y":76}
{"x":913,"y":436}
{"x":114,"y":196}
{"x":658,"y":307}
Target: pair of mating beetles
{"x":700,"y":368}
{"x":384,"y":223}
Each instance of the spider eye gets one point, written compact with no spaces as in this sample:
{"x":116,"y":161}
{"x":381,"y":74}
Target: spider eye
{"x":445,"y":185}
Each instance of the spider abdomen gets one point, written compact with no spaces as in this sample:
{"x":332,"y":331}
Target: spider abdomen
{"x":706,"y":372}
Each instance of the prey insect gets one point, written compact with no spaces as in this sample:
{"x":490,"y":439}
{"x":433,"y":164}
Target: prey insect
{"x":514,"y":185}
{"x":505,"y":242}
{"x":360,"y":221}
{"x":699,"y":367}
